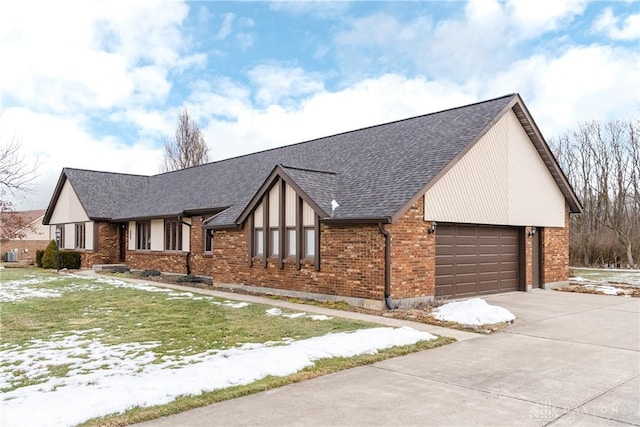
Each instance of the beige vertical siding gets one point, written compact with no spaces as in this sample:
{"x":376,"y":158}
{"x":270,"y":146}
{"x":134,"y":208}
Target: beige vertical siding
{"x":290,"y":206}
{"x":258,"y":216}
{"x":274,"y":206}
{"x":68,"y":208}
{"x":475,"y":188}
{"x":69,"y":236}
{"x":88,"y":235}
{"x":534,"y":197}
{"x":308,"y":215}
{"x":132,"y":235}
{"x":501,"y":180}
{"x":157,"y":235}
{"x":186,"y":235}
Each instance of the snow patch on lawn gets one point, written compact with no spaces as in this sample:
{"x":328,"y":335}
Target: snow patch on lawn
{"x":475,"y":312}
{"x":18,"y":290}
{"x":605,"y":289}
{"x":104,"y":379}
{"x":277,"y":312}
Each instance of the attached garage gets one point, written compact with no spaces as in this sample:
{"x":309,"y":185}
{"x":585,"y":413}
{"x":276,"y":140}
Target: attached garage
{"x":477,"y":259}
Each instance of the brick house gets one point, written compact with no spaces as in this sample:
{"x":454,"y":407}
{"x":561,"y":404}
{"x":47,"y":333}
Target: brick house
{"x":467,"y":201}
{"x":32,"y":236}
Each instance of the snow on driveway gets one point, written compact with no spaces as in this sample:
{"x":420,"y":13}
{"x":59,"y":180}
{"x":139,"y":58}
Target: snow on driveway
{"x":474,"y":312}
{"x":106,"y":379}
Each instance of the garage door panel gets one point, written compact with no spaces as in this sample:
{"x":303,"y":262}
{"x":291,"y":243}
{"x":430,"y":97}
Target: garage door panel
{"x":476,"y":259}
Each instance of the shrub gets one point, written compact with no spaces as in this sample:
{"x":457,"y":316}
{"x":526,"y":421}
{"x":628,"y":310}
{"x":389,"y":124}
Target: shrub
{"x":68,"y":259}
{"x":39,"y":254}
{"x":49,"y":256}
{"x":150,"y":273}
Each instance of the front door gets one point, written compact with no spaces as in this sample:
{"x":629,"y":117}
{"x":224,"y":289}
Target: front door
{"x":122,"y":243}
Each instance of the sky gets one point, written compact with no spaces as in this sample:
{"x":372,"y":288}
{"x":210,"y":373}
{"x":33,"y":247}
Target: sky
{"x":99,"y":85}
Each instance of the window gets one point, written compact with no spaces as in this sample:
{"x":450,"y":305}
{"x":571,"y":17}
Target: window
{"x":208,"y":241}
{"x":259,"y":242}
{"x":309,"y":242}
{"x":172,"y":235}
{"x":143,"y":235}
{"x":274,"y":242}
{"x":291,"y":242}
{"x":80,"y":236}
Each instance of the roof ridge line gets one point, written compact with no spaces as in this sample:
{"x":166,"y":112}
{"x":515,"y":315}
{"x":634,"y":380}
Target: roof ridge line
{"x":307,"y":170}
{"x":109,"y":172}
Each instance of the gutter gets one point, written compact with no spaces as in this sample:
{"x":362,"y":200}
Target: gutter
{"x":387,"y":266}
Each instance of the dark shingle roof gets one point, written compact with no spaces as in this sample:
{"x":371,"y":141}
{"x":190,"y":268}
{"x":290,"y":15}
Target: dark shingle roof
{"x":377,"y":169}
{"x":371,"y":173}
{"x":102,"y":194}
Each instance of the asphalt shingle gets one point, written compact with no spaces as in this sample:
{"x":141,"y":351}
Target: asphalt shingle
{"x":371,"y":172}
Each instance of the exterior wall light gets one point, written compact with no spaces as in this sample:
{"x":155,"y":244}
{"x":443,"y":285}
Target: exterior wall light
{"x":532,"y":231}
{"x":432,"y":229}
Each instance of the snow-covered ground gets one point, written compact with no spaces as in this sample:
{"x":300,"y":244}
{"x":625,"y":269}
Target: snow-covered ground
{"x":607,"y":276}
{"x":474,"y":312}
{"x":101,"y":379}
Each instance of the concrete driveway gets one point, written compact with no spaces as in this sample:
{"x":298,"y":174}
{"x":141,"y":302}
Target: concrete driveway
{"x":569,"y":359}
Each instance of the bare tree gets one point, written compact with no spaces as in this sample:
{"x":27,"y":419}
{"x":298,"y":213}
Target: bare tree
{"x":602,"y":163}
{"x":187,"y":148}
{"x":16,"y":178}
{"x":16,"y":175}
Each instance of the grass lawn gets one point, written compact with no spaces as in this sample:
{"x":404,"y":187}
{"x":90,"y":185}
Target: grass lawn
{"x":57,"y":328}
{"x":619,"y":276}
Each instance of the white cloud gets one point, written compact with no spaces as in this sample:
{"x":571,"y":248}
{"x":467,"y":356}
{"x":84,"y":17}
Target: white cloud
{"x":62,"y":142}
{"x":225,"y":29}
{"x":584,"y":83}
{"x":534,"y":17}
{"x":78,"y":56}
{"x":608,"y":24}
{"x":275,"y":83}
{"x":482,"y":40}
{"x":368,"y":102}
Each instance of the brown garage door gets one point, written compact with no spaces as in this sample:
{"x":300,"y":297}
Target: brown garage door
{"x":476,"y":260}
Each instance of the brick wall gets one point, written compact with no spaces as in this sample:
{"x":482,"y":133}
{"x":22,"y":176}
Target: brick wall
{"x":413,"y":259}
{"x":528,"y":257}
{"x":555,"y":244}
{"x":352,"y":264}
{"x":31,"y":246}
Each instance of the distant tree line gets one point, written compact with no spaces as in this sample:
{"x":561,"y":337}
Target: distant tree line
{"x":602,"y":163}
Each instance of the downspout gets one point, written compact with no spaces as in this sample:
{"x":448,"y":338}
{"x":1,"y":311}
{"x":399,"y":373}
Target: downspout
{"x":188,"y":254}
{"x":387,"y":266}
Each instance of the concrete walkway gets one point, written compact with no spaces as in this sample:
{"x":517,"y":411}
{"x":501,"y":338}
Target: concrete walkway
{"x":569,"y":359}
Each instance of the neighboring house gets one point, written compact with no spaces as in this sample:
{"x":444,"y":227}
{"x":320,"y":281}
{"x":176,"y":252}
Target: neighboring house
{"x":463,"y":202}
{"x":35,"y":235}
